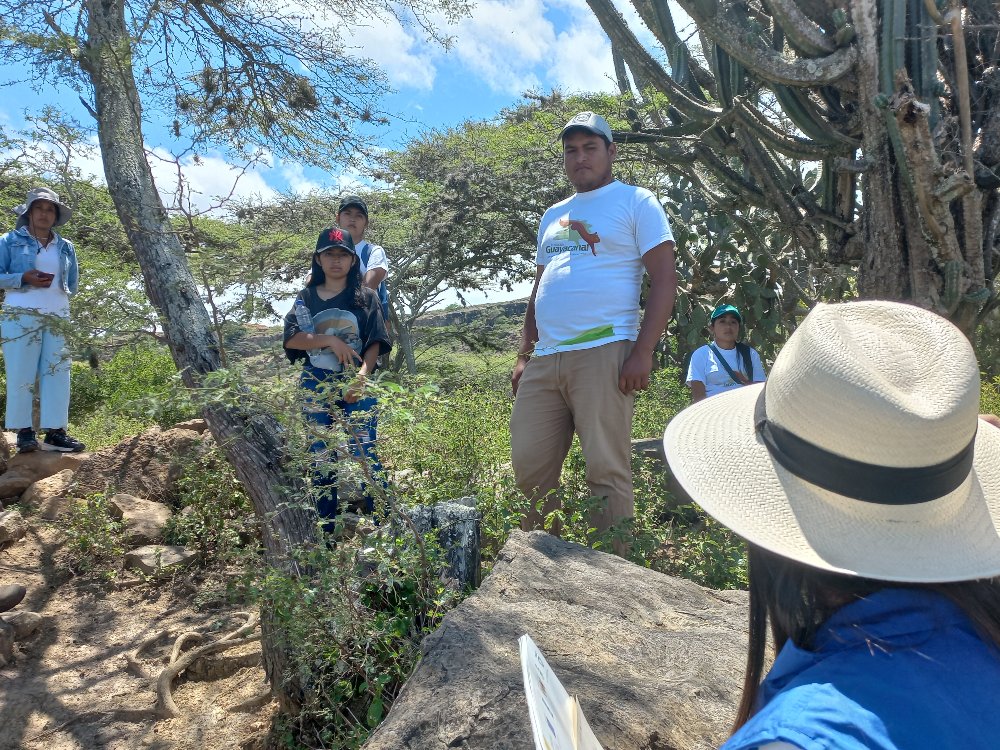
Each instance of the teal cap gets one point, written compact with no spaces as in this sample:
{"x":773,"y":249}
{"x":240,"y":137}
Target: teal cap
{"x":727,"y":309}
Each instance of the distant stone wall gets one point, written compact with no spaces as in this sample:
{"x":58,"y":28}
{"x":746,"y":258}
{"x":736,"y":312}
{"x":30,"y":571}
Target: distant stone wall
{"x":461,"y":316}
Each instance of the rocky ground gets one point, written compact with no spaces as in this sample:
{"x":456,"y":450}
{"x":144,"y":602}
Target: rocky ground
{"x":86,"y":676}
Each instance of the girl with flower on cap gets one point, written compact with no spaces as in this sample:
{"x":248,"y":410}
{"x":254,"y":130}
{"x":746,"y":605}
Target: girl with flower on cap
{"x":869,"y":494}
{"x":339,"y":353}
{"x":39,"y":273}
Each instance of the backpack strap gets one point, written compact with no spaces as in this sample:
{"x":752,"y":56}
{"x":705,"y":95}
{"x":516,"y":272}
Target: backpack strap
{"x":744,"y":350}
{"x":366,"y":253}
{"x":725,"y":365}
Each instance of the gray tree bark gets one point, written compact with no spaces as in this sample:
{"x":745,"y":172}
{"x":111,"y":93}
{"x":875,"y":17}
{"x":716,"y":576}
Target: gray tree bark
{"x":249,"y":439}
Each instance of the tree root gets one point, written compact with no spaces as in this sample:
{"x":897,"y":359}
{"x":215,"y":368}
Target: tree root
{"x":132,"y":660}
{"x":254,"y":702}
{"x":165,"y":705}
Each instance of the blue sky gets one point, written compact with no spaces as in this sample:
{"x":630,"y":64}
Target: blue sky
{"x":504,"y":48}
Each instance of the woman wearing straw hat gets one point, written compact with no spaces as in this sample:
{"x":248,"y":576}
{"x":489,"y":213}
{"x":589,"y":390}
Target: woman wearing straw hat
{"x":869,"y":494}
{"x":38,"y":272}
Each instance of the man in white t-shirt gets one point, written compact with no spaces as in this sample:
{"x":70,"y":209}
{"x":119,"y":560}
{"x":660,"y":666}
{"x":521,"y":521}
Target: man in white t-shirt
{"x":583,"y":352}
{"x":353,"y":216}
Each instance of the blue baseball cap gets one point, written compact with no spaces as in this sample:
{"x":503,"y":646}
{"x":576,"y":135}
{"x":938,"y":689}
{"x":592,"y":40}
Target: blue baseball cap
{"x":726,"y":310}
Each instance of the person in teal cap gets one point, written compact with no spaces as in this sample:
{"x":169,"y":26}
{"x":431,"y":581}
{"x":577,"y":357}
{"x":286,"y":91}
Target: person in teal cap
{"x":726,"y":363}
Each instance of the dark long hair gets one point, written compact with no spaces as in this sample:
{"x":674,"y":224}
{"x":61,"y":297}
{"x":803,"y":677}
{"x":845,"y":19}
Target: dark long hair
{"x":317,"y":276}
{"x":795,"y":600}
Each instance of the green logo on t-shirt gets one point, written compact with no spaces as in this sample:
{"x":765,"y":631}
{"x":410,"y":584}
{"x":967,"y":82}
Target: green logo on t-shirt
{"x":582,"y":231}
{"x":594,"y":334}
{"x":576,"y":236}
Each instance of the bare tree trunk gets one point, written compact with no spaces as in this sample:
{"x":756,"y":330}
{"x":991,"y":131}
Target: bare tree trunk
{"x":404,"y":340}
{"x":250,"y":440}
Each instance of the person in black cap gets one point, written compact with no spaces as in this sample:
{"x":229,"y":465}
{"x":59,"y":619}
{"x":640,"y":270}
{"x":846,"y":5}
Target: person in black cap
{"x":336,"y":327}
{"x":583,"y":351}
{"x":353,"y":216}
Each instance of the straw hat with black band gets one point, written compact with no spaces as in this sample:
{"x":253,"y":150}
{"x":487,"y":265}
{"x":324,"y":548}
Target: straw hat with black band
{"x":863,"y":453}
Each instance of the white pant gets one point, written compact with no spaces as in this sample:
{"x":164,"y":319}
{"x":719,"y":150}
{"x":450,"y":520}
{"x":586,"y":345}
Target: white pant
{"x":31,"y":349}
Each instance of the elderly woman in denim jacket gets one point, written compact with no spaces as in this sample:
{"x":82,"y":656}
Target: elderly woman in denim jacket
{"x":39,"y":273}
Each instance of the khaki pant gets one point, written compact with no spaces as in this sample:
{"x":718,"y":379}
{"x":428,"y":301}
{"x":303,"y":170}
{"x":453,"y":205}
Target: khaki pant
{"x":560,"y":393}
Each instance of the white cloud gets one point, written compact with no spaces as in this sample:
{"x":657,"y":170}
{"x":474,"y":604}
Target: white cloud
{"x":298,"y":182}
{"x":503,"y":41}
{"x":204,"y":183}
{"x":582,"y":61}
{"x":404,"y":58}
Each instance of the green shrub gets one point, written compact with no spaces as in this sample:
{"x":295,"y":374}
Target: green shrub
{"x":133,"y":390}
{"x":989,"y":397}
{"x":93,"y":537}
{"x":354,"y":622}
{"x":217,"y":517}
{"x":657,"y":405}
{"x":439,"y":447}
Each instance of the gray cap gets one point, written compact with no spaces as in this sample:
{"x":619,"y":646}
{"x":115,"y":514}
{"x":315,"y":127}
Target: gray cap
{"x":591,"y":122}
{"x":63,"y":212}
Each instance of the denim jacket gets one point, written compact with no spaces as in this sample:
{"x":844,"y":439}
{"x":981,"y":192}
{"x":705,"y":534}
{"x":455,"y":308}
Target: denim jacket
{"x":18,"y":250}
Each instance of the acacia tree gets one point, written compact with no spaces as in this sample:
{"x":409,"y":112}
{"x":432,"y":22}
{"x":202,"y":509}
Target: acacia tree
{"x":222,"y":73}
{"x":869,"y":132}
{"x":463,"y":204}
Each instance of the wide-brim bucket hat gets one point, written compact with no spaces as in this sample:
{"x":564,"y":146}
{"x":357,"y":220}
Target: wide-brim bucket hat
{"x":862,"y":454}
{"x":64,"y":212}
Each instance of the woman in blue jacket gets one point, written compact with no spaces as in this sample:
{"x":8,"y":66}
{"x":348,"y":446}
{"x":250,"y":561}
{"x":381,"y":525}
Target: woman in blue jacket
{"x":869,"y":494}
{"x":38,"y":273}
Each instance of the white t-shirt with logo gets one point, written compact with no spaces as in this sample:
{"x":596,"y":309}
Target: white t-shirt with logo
{"x":705,"y":367}
{"x":591,"y":245}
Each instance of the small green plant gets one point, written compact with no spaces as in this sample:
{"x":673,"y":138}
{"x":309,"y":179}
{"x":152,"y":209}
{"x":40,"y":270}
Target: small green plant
{"x":216,"y":517}
{"x":989,"y":397}
{"x":354,"y":620}
{"x":93,"y":537}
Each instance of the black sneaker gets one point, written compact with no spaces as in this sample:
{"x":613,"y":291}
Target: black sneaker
{"x":26,"y":441}
{"x":58,"y":440}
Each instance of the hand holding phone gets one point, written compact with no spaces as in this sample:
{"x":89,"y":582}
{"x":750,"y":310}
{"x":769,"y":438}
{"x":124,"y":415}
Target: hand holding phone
{"x":37,"y":278}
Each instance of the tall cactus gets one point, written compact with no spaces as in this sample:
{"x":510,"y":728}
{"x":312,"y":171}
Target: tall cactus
{"x":896,"y":102}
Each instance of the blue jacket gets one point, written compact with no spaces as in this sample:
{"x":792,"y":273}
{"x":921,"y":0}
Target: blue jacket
{"x":902,"y":669}
{"x":18,"y":250}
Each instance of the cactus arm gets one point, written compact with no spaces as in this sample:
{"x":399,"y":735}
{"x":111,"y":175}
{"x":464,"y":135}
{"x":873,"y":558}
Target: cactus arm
{"x":734,"y":181}
{"x":804,"y":35}
{"x":742,"y":41}
{"x":621,"y":74}
{"x":684,"y":69}
{"x":643,"y":65}
{"x":792,"y":146}
{"x":924,"y":57}
{"x":723,"y":75}
{"x":801,"y":112}
{"x":893,"y":43}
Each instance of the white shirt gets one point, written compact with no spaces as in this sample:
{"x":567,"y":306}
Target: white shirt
{"x":377,"y":258}
{"x":706,"y":368}
{"x":591,"y":245}
{"x":50,"y":300}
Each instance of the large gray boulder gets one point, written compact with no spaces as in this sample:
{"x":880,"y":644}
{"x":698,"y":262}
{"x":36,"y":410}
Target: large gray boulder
{"x":657,"y":662}
{"x":144,"y":520}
